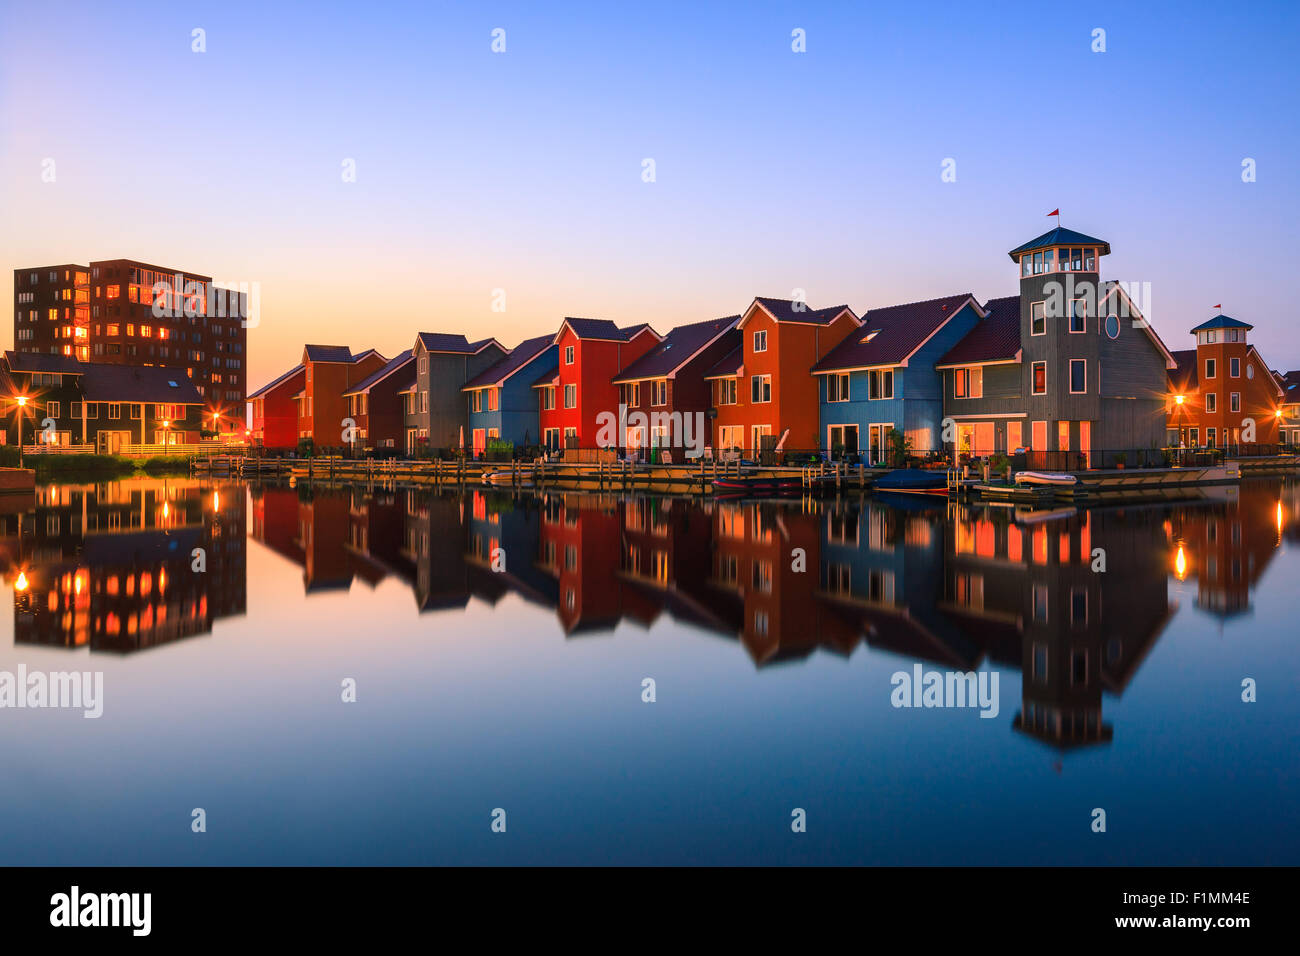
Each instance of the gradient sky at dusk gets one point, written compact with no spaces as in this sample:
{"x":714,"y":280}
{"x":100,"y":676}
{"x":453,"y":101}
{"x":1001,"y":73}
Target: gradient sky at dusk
{"x":775,"y":170}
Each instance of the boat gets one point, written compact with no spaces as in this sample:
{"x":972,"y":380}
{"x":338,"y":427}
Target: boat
{"x":1045,"y":478}
{"x":757,"y":485}
{"x":914,"y":481}
{"x":524,"y":479}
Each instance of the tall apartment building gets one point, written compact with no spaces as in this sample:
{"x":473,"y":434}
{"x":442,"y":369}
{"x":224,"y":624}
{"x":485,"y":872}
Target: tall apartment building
{"x":105,"y":312}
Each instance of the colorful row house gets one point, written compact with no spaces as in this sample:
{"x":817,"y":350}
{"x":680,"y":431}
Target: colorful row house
{"x":503,"y":405}
{"x":764,"y":392}
{"x":881,"y":380}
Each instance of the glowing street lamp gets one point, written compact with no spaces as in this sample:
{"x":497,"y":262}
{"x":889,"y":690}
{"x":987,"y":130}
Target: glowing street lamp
{"x":1179,"y":399}
{"x":22,"y":405}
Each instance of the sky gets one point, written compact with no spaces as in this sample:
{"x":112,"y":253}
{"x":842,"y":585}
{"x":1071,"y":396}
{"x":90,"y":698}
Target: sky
{"x":524,"y":171}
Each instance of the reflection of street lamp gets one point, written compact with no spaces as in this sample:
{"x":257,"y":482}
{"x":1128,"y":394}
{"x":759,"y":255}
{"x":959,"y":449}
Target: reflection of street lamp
{"x":21,"y":583}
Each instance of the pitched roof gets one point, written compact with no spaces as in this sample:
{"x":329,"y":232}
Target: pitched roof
{"x":452,"y":342}
{"x":1222,"y":321}
{"x":1061,"y":237}
{"x":138,"y":383}
{"x":409,"y":386}
{"x":995,"y":338}
{"x":550,"y":378}
{"x":889,"y":335}
{"x":790,"y":310}
{"x":729,"y":365}
{"x":678,"y":347}
{"x":396,"y":364}
{"x":272,"y":384}
{"x":43,"y":362}
{"x":518,"y":357}
{"x":328,"y":353}
{"x":1184,"y":377}
{"x":603,"y":330}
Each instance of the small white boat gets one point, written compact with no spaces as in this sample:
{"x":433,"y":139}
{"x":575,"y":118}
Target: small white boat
{"x":506,"y":478}
{"x":1044,"y":478}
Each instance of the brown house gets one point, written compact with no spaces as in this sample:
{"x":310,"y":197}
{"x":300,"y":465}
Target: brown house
{"x":664,"y":393}
{"x":329,"y":371}
{"x":377,"y":406}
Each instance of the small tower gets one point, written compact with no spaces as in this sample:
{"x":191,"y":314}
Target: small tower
{"x":1060,"y":338}
{"x":1231,"y":387}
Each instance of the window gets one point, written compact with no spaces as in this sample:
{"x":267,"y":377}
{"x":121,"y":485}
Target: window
{"x":476,"y":401}
{"x":52,"y":409}
{"x":1210,"y":436}
{"x":727,"y":391}
{"x":1234,"y":367}
{"x":1112,"y":326}
{"x":548,"y":397}
{"x":659,"y":392}
{"x":880,"y":384}
{"x":1038,"y":318}
{"x":114,"y":410}
{"x":1078,"y":311}
{"x":568,"y":355}
{"x":968,"y":383}
{"x":570,"y":396}
{"x":837,"y":388}
{"x":1209,"y":368}
{"x":74,"y":409}
{"x":760,"y":341}
{"x":760,"y":389}
{"x":135,"y":411}
{"x":1234,"y":402}
{"x":492,"y":399}
{"x":1039,"y":371}
{"x":1078,"y":376}
{"x":1211,"y":402}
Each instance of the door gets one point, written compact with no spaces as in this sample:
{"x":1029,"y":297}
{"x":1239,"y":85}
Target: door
{"x":1085,"y":443}
{"x":984,"y":433}
{"x":480,"y":442}
{"x":1015,"y":436}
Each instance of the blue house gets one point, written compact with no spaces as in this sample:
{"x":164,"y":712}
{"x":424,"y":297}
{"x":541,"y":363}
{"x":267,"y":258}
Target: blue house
{"x":503,"y":405}
{"x":882,"y":377}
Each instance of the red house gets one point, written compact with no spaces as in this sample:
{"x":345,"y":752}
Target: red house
{"x":377,"y":406}
{"x":275,"y":413}
{"x":592,"y":352}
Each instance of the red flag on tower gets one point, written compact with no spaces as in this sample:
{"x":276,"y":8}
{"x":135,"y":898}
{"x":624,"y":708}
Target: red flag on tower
{"x":1055,"y":212}
{"x":1219,"y":306}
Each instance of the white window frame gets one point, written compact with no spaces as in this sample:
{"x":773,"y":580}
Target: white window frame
{"x":760,"y":340}
{"x":1032,"y":366}
{"x":1070,"y":381}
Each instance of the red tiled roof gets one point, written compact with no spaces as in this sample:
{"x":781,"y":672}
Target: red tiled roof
{"x":678,"y":347}
{"x":891,"y":334}
{"x":995,"y":338}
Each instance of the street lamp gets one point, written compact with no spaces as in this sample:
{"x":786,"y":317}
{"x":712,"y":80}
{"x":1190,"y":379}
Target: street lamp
{"x":22,"y":404}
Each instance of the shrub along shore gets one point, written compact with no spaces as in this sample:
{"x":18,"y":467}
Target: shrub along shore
{"x":94,"y":466}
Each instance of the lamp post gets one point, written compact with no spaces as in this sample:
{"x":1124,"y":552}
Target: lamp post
{"x":22,"y":405}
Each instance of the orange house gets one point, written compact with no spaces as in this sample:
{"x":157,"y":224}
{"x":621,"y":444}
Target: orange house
{"x":1222,"y":390}
{"x":329,"y":371}
{"x":764,"y":392}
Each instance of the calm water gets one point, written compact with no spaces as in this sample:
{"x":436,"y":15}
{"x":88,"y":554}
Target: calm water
{"x":522,"y":688}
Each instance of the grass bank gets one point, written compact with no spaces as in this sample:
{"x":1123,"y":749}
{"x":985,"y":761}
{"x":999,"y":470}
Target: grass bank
{"x":94,"y":466}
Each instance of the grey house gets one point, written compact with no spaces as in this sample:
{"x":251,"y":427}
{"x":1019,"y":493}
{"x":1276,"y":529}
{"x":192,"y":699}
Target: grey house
{"x":1068,"y":369}
{"x":437,"y":415}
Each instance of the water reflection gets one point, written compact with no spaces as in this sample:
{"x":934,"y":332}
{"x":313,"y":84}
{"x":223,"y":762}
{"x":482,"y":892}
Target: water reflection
{"x":110,"y":566}
{"x":1072,"y":600}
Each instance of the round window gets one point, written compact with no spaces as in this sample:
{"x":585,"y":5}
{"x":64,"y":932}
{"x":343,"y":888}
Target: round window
{"x":1112,"y":326}
{"x":1250,"y":370}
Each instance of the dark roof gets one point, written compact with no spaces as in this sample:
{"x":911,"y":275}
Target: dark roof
{"x":1222,"y":322}
{"x":678,"y":347}
{"x":789,"y":310}
{"x":1183,"y":378}
{"x":138,"y":383}
{"x":449,"y":342}
{"x":43,"y":362}
{"x":891,"y":334}
{"x":550,"y":378}
{"x":519,"y":356}
{"x":481,"y":344}
{"x":395,"y":364}
{"x":272,"y":384}
{"x":995,"y":338}
{"x":408,"y":387}
{"x":729,"y":364}
{"x":1061,"y":237}
{"x":329,"y":353}
{"x":604,"y":329}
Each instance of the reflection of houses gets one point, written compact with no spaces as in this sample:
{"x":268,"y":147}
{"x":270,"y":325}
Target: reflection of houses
{"x":1026,"y":590}
{"x":111,"y":566}
{"x":1225,"y":548}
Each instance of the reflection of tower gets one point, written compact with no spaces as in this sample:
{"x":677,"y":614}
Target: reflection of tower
{"x":1226,"y":547}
